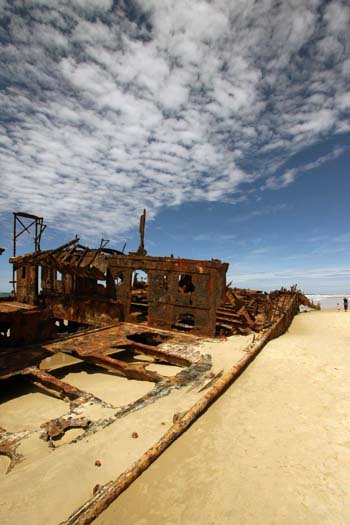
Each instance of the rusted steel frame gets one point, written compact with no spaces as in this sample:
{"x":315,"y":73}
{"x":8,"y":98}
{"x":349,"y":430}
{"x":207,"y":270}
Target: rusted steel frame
{"x":71,"y":268}
{"x":81,"y":257}
{"x":227,"y":319}
{"x":25,"y":228}
{"x":68,"y":337}
{"x":112,"y":251}
{"x":56,"y":428}
{"x":8,"y":449}
{"x":27,"y":215}
{"x":148,"y":263}
{"x":34,"y":257}
{"x":57,"y":264}
{"x":67,"y":254}
{"x":224,"y":310}
{"x":40,"y":386}
{"x":111,"y":490}
{"x":305,"y":301}
{"x":280,"y":303}
{"x":141,"y":348}
{"x":188,"y":306}
{"x":99,"y":250}
{"x":66,"y":259}
{"x":131,"y":371}
{"x":66,"y":245}
{"x":52,"y":262}
{"x":49,"y":382}
{"x":284,"y":300}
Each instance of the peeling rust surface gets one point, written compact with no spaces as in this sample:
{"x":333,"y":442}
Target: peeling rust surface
{"x":117,"y":349}
{"x":103,"y":495}
{"x":23,"y":324}
{"x":101,"y":286}
{"x":51,"y":385}
{"x":246,"y":311}
{"x":13,"y":361}
{"x":8,"y":447}
{"x":57,"y":427}
{"x":92,"y":308}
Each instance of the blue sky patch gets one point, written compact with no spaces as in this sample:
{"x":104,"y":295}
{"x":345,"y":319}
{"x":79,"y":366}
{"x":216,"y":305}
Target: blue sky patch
{"x":228,"y":121}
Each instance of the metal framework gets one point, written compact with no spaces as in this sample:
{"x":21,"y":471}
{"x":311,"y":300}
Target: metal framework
{"x":25,"y":222}
{"x":97,"y":287}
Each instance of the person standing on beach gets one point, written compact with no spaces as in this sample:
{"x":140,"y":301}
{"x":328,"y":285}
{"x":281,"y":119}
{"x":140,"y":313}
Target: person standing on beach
{"x":345,"y":301}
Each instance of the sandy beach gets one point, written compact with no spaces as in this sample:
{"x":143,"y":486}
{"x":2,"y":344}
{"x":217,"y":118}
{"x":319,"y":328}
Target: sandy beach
{"x":52,"y":480}
{"x":274,"y":449}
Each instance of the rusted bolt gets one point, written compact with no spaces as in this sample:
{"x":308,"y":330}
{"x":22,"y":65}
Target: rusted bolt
{"x":96,"y":489}
{"x":134,"y":435}
{"x":98,"y":463}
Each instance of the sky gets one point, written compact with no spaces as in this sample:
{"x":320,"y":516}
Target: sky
{"x":228,"y":121}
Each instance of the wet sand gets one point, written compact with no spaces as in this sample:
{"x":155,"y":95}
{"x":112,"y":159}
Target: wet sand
{"x":274,"y":449}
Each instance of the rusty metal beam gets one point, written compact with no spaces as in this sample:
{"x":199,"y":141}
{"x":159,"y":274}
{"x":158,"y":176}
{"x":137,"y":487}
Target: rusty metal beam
{"x":107,"y":493}
{"x":163,"y":355}
{"x":51,"y":383}
{"x":131,"y":371}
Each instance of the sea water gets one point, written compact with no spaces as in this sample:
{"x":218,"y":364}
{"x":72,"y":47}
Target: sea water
{"x":328,"y":301}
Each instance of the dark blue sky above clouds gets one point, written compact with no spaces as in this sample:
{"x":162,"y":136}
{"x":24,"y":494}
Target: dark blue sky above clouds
{"x":228,"y":121}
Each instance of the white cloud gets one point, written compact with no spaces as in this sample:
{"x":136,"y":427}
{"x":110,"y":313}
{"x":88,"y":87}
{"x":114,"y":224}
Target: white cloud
{"x":343,"y":100}
{"x":337,"y":15}
{"x":210,"y":237}
{"x":314,"y":273}
{"x":107,"y":110}
{"x":275,"y":183}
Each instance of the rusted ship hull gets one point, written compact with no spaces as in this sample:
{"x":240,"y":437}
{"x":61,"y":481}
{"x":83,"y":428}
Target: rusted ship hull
{"x":124,"y":364}
{"x":130,"y":353}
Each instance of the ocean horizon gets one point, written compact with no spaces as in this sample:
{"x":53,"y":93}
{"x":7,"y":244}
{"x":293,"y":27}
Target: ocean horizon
{"x":328,"y":301}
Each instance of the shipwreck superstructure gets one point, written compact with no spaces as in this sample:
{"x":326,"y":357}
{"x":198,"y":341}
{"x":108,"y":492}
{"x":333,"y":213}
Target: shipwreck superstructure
{"x":100,"y":286}
{"x":74,"y":286}
{"x":120,"y":319}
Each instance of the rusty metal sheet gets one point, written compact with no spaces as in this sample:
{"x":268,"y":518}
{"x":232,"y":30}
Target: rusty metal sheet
{"x":98,"y":287}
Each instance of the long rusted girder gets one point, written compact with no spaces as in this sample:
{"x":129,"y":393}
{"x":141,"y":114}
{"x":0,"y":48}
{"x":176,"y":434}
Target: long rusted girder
{"x":162,"y":355}
{"x":131,"y":371}
{"x":107,"y":493}
{"x":50,"y":384}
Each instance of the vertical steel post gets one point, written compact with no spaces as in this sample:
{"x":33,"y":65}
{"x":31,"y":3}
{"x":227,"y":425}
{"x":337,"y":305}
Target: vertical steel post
{"x":38,"y":223}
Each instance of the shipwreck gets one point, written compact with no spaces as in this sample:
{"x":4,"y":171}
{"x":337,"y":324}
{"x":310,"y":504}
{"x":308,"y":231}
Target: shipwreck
{"x":76,"y":308}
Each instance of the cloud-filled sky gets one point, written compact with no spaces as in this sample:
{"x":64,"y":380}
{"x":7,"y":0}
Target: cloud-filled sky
{"x":228,"y":121}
